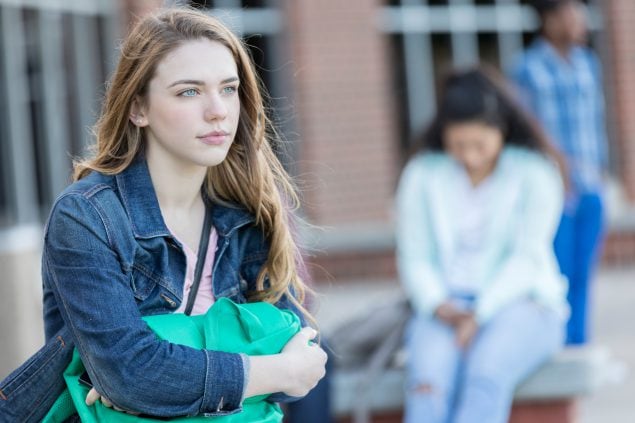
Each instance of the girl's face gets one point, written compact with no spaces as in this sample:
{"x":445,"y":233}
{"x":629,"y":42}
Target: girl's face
{"x":475,"y":145}
{"x":191,"y":110}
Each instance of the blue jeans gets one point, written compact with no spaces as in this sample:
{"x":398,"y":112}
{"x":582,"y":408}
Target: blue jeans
{"x":577,"y":247}
{"x":446,"y":384}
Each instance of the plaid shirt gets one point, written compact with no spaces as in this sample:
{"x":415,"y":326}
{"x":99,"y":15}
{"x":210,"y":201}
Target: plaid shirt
{"x":567,"y":98}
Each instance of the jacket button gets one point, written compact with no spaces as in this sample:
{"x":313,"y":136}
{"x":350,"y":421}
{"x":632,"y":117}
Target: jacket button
{"x":169,"y":300}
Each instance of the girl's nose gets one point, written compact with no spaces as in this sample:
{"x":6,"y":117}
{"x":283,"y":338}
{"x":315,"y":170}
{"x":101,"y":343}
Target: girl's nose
{"x":215,"y":108}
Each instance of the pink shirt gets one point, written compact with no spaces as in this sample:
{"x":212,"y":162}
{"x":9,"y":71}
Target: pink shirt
{"x":205,"y":295}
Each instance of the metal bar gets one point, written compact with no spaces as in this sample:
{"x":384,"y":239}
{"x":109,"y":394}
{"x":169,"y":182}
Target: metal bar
{"x":419,"y":68}
{"x":112,"y":29}
{"x":22,"y":186}
{"x":463,"y":32}
{"x":280,"y":89}
{"x":84,"y":7}
{"x":510,"y":41}
{"x":231,"y":13}
{"x":5,"y":152}
{"x":55,"y":123}
{"x":86,"y":76}
{"x":487,"y":18}
{"x":263,"y":20}
{"x":468,"y":18}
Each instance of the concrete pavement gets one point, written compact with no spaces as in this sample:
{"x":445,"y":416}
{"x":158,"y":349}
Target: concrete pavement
{"x":614,"y":327}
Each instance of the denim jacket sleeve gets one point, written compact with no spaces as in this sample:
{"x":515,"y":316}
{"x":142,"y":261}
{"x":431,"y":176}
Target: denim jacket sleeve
{"x":127,"y":363}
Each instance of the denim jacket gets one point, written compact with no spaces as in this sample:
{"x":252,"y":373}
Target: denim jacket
{"x":108,"y":260}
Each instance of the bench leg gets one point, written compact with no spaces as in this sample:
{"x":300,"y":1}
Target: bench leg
{"x":561,"y":411}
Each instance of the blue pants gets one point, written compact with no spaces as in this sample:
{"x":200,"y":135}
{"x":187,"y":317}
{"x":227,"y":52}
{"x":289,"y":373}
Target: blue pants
{"x":445,"y":384}
{"x":577,"y":246}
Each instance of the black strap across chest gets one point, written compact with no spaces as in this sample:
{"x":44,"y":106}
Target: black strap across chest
{"x":200,"y":261}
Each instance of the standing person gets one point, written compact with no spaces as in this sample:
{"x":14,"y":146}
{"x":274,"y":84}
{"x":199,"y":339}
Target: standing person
{"x":183,"y":162}
{"x":559,"y":81}
{"x":477,"y":209}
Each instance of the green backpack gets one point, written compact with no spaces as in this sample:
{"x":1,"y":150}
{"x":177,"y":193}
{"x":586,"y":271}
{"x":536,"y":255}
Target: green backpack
{"x":253,"y":329}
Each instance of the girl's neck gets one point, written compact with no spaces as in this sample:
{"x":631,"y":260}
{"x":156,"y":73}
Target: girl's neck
{"x":178,"y":187}
{"x":477,"y":177}
{"x":561,"y":47}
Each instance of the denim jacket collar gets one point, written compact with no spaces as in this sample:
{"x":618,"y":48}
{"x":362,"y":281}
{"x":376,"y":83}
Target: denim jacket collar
{"x":141,"y":204}
{"x":227,"y":218}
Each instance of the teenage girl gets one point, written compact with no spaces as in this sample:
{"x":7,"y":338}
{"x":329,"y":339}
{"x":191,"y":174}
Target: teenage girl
{"x":183,"y":174}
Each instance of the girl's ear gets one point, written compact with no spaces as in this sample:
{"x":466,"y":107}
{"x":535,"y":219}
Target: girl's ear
{"x":137,"y":113}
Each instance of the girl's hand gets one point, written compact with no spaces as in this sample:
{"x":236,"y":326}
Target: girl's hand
{"x":306,"y":362}
{"x":466,"y":329}
{"x":94,"y":396}
{"x":450,"y":314}
{"x":463,"y":322}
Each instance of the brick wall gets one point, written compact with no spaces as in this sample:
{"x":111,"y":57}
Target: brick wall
{"x":619,"y":55}
{"x":348,"y":142}
{"x":344,"y":109}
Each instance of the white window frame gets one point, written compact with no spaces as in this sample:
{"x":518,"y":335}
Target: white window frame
{"x":19,"y":180}
{"x":463,"y":20}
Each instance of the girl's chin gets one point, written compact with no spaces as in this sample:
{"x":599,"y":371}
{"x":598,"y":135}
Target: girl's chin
{"x":213,"y":161}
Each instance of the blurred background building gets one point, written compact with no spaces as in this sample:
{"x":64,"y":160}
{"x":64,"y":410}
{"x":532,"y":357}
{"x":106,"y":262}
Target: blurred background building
{"x":351,"y":83}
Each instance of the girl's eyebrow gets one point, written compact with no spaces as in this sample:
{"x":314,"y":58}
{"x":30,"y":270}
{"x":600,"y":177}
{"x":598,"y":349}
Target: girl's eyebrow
{"x":186,"y":82}
{"x":200,"y":83}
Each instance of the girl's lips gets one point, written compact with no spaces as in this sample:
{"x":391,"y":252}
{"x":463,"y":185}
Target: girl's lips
{"x":214,"y":138}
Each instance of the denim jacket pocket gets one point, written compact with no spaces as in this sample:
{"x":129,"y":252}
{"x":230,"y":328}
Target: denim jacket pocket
{"x":151,"y":293}
{"x":142,"y":283}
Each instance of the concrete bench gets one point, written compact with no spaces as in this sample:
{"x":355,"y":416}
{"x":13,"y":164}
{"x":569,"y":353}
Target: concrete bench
{"x":546,"y":396}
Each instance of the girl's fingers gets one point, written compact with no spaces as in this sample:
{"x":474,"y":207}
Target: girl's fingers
{"x":309,"y":333}
{"x":106,"y":402}
{"x":92,"y":396}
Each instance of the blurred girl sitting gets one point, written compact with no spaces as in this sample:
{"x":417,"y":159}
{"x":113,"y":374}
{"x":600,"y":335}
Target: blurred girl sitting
{"x":478,"y":206}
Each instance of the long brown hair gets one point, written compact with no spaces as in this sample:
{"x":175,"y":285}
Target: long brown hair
{"x":251,"y":175}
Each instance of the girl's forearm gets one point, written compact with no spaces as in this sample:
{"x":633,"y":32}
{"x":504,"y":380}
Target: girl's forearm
{"x":267,"y":374}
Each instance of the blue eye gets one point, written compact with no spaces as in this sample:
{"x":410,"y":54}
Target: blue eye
{"x":189,"y":93}
{"x":230,"y":90}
